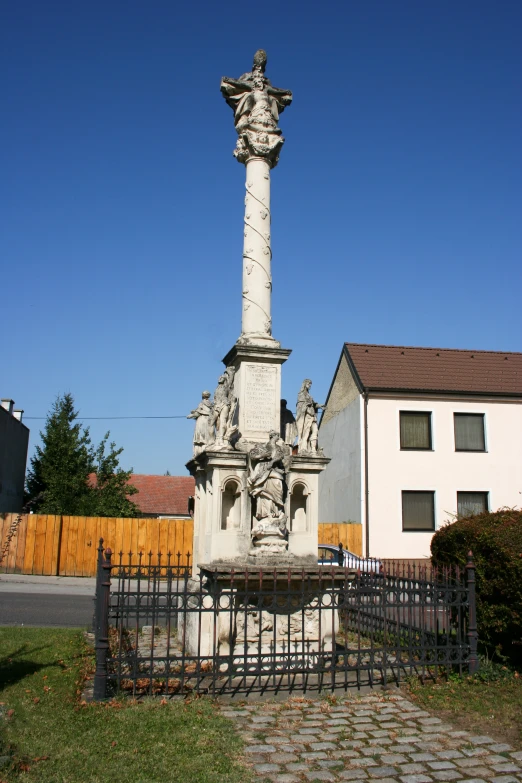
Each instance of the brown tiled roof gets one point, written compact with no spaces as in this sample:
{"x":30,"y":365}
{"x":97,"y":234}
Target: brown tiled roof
{"x":405,"y":368}
{"x":162,"y":494}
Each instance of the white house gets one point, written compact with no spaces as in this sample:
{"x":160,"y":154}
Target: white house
{"x":417,"y":436}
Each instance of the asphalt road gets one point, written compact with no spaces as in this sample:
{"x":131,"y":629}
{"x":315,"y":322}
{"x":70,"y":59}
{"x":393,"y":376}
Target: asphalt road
{"x":66,"y":611}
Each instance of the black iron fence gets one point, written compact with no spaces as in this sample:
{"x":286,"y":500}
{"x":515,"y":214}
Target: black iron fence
{"x":158,"y":630}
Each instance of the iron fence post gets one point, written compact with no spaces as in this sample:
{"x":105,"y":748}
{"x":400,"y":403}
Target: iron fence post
{"x":473,"y":663}
{"x":101,"y":642}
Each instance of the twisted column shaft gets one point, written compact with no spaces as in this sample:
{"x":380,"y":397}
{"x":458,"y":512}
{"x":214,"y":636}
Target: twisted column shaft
{"x":257,"y":254}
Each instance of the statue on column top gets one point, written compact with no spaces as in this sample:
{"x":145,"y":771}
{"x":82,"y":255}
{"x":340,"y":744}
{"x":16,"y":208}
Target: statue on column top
{"x":257,"y":106}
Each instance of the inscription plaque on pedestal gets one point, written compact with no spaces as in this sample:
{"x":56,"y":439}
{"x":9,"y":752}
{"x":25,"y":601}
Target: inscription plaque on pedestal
{"x":261,"y":397}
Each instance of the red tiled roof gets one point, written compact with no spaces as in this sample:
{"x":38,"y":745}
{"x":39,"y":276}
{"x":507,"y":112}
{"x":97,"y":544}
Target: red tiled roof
{"x":162,"y":494}
{"x":407,"y":368}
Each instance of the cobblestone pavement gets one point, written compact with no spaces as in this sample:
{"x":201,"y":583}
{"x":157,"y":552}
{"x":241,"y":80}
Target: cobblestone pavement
{"x":377,"y":738}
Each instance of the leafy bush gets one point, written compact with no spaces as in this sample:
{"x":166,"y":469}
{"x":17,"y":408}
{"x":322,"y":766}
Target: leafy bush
{"x":495,"y":538}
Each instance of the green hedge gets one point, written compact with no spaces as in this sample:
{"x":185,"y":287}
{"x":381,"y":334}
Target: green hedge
{"x":496,"y":542}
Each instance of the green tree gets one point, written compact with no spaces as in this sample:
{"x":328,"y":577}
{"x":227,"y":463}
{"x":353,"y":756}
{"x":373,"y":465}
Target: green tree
{"x":110,"y":495}
{"x":61,"y":480}
{"x":57,"y":479}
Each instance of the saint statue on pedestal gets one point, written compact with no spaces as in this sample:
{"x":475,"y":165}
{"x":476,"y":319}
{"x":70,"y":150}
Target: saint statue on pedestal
{"x":306,"y":419}
{"x":266,"y":483}
{"x":203,"y":432}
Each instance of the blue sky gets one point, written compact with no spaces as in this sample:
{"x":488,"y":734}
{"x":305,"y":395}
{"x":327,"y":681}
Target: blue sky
{"x":395,"y":206}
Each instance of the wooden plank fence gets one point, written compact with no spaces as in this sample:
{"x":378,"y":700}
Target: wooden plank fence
{"x":54,"y":545}
{"x":348,"y":534}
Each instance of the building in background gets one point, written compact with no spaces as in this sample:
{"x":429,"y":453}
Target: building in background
{"x":416,"y":437}
{"x":163,"y":496}
{"x":14,"y":441}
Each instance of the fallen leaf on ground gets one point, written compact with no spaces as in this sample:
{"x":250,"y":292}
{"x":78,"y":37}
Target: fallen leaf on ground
{"x":10,"y":713}
{"x":36,"y":700}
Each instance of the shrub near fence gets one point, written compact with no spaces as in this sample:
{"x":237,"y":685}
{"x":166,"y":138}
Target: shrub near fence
{"x":54,"y":545}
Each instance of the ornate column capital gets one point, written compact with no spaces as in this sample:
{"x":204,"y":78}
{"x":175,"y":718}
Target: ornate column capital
{"x":256,"y":105}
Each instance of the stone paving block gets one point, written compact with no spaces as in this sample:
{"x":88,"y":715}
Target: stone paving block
{"x":517,"y":755}
{"x":308,"y":730}
{"x":496,"y":759}
{"x":474,"y":751}
{"x":312,"y":724}
{"x":259,"y":749}
{"x":322,"y":746}
{"x":441,"y":765}
{"x":480,"y":772}
{"x":506,"y":767}
{"x":285,"y":778}
{"x":448,"y":754}
{"x":314,"y":755}
{"x":360,"y":735}
{"x":382,"y":772}
{"x":380,"y":733}
{"x":319,"y":775}
{"x":380,"y":741}
{"x":339,"y":729}
{"x":262,"y":719}
{"x":416,"y":779}
{"x":475,"y":780}
{"x":266,"y":768}
{"x":400,"y":748}
{"x":366,"y":762}
{"x":336,"y":722}
{"x":353,"y":774}
{"x":345,"y":754}
{"x":393,"y":758}
{"x":427,"y":721}
{"x":500,"y":747}
{"x":423,"y":757}
{"x":299,"y":767}
{"x":447,"y":774}
{"x":482,"y":740}
{"x":283,"y":758}
{"x":413,"y":768}
{"x":503,"y":779}
{"x":478,"y":761}
{"x":330,"y":764}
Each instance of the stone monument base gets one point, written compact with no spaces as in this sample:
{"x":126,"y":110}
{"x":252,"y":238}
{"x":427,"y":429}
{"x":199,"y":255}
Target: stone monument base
{"x":247,"y":613}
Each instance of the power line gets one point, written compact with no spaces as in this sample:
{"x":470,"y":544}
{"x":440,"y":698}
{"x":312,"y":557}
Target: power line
{"x":92,"y":418}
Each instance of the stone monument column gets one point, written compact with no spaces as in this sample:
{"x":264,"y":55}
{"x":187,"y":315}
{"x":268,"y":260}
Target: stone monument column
{"x":257,"y":356}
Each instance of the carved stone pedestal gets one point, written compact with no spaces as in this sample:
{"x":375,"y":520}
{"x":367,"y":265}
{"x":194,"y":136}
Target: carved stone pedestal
{"x":224,"y":513}
{"x":257,"y":386}
{"x":276,"y":618}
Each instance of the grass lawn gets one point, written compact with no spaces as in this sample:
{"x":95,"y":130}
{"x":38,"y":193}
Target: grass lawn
{"x":51,"y":736}
{"x":492,"y":706}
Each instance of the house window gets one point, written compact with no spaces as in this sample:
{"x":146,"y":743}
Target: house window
{"x":418,"y":510}
{"x":469,"y":503}
{"x":415,"y":430}
{"x":469,"y":432}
